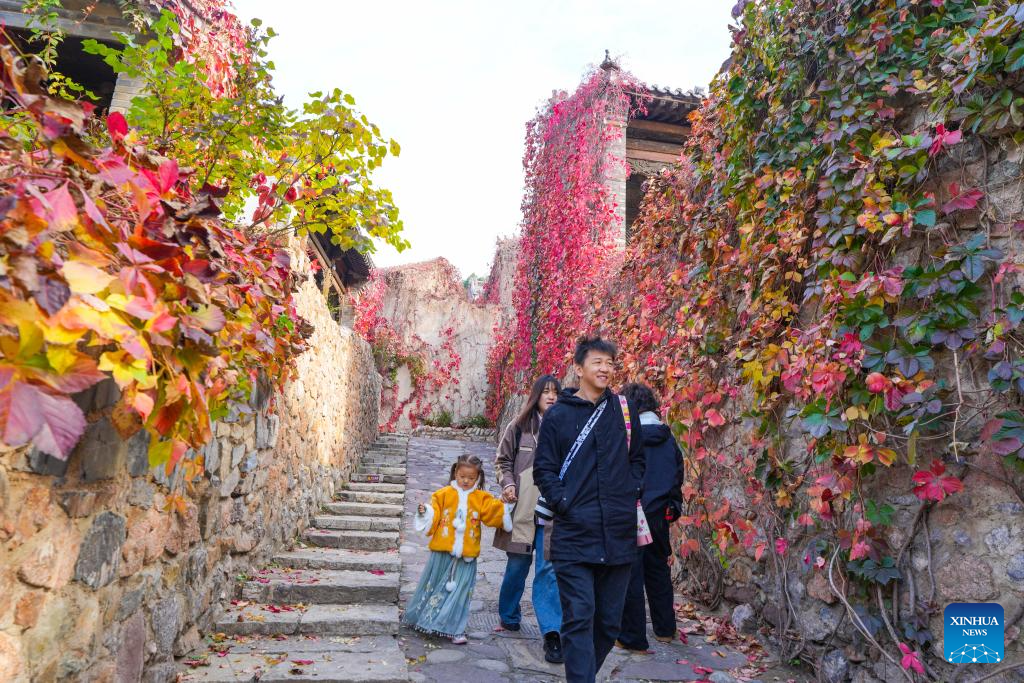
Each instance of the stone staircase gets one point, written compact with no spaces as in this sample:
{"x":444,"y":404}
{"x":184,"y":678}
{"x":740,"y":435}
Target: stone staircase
{"x":327,"y":612}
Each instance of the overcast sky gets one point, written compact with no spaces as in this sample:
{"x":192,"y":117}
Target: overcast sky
{"x":455,"y":81}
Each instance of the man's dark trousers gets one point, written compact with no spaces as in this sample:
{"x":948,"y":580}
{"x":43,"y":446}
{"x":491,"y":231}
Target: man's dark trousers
{"x":592,"y":596}
{"x":650,"y":572}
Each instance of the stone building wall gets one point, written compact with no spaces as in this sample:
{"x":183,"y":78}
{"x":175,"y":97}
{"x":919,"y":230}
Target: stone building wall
{"x":421,"y":302}
{"x":100,"y":582}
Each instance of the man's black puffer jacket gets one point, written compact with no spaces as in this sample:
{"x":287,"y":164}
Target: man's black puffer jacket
{"x":595,"y":504}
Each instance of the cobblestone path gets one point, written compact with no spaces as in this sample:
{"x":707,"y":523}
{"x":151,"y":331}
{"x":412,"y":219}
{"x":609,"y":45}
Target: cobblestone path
{"x":519,"y":656}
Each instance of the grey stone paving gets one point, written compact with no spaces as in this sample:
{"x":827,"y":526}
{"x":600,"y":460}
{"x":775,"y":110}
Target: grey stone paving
{"x":505,"y":656}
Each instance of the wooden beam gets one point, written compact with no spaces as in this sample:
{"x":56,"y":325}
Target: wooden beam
{"x":659,"y":127}
{"x":325,"y":264}
{"x":652,"y":146}
{"x":643,"y":155}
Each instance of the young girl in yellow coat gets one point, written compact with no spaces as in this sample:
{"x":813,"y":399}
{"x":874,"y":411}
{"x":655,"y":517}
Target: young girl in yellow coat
{"x":454,"y":520}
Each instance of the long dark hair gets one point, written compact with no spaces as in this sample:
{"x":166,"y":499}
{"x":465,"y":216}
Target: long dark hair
{"x":469,"y":460}
{"x":530,"y":409}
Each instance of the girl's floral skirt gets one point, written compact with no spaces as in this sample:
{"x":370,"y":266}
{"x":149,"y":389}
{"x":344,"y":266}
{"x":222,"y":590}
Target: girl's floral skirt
{"x":440,"y":605}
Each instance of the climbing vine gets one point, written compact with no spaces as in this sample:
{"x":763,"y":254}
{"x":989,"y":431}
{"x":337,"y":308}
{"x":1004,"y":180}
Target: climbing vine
{"x":280,"y":170}
{"x":212,"y":38}
{"x":111,"y":266}
{"x":431,"y":370}
{"x":567,"y":236}
{"x":821,"y":294}
{"x":124,"y":252}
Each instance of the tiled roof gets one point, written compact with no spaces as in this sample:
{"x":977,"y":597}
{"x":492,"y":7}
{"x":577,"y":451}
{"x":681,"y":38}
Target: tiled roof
{"x":670,"y":106}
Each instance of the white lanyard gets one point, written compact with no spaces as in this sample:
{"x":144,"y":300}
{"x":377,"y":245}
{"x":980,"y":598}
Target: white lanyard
{"x":581,"y":438}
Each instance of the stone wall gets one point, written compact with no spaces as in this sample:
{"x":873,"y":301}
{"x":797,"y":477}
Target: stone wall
{"x":101,"y":582}
{"x":422,"y":301}
{"x":502,"y":275}
{"x":971,"y":548}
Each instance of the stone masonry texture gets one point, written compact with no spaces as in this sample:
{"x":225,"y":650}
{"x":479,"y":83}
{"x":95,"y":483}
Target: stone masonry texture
{"x":101,"y":583}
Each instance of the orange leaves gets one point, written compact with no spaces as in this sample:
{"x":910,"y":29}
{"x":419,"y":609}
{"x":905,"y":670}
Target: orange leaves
{"x":83,"y":278}
{"x":177,"y":503}
{"x":863,"y":453}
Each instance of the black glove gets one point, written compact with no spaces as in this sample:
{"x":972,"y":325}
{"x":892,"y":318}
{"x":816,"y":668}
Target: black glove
{"x":673,"y":512}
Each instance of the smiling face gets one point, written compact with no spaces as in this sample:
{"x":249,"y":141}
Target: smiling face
{"x":466,"y":477}
{"x":547,"y":398}
{"x":596,"y":370}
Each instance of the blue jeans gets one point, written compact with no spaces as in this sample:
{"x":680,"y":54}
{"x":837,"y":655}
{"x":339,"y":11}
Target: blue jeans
{"x":545,"y":588}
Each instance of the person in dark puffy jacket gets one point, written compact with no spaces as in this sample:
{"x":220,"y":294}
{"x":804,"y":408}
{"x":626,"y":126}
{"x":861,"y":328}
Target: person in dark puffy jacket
{"x":591,"y":489}
{"x":663,"y":504}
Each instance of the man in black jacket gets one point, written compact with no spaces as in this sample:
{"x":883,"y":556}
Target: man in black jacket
{"x":590,"y":476}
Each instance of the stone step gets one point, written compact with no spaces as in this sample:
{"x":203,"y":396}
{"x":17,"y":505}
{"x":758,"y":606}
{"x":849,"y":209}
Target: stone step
{"x":386,"y":452}
{"x":372,"y":497}
{"x":358,"y":522}
{"x":373,"y":478}
{"x":323,"y":620}
{"x":387,"y":456}
{"x":352,"y":540}
{"x":374,"y":466}
{"x":321,"y":586}
{"x":339,"y":559}
{"x":376,"y":659}
{"x":380,"y":469}
{"x":372,"y":509}
{"x":384,"y":461}
{"x":378,"y":487}
{"x":387,"y":447}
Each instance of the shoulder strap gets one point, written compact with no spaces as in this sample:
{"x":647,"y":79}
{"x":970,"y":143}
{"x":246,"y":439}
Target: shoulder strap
{"x":581,"y":438}
{"x":625,"y":418}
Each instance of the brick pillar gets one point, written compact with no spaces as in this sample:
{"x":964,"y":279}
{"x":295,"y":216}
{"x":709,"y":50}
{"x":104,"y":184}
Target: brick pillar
{"x":124,"y":90}
{"x":615,"y":158}
{"x":615,"y":181}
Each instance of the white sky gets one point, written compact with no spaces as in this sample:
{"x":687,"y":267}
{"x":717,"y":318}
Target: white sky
{"x":455,"y":81}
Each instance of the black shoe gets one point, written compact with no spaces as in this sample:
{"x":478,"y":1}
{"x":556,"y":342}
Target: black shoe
{"x":509,"y":627}
{"x":553,"y":648}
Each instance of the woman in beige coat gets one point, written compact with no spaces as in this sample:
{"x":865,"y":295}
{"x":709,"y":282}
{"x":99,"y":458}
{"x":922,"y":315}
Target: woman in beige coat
{"x":527,"y":540}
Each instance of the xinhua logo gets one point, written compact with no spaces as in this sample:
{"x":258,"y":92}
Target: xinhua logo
{"x":972,"y":632}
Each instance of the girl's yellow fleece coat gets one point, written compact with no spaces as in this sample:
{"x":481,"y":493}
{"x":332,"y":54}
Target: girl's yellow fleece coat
{"x":455,"y":519}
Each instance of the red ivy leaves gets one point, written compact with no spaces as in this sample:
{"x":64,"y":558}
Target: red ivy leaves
{"x":910,"y":659}
{"x":567,"y":244}
{"x":934,"y":484}
{"x":943,"y":138}
{"x":117,"y":270}
{"x":432,"y":370}
{"x":962,"y":201}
